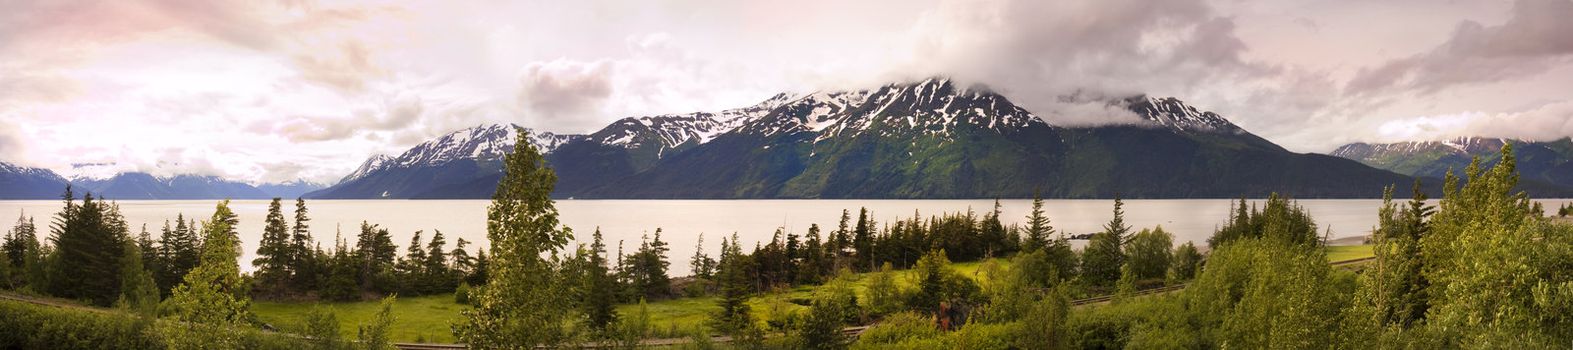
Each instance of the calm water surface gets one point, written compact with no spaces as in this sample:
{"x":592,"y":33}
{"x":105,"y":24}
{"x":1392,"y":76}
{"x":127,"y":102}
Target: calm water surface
{"x":682,"y":221}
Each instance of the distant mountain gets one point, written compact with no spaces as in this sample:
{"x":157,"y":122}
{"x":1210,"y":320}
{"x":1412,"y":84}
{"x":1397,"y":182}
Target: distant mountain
{"x":928,"y":139}
{"x":1548,"y":162}
{"x":142,"y":186}
{"x":19,"y":182}
{"x":431,"y":168}
{"x":291,"y":189}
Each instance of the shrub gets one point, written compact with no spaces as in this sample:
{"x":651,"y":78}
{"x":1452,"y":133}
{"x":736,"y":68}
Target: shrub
{"x":461,"y":295}
{"x":900,"y":327}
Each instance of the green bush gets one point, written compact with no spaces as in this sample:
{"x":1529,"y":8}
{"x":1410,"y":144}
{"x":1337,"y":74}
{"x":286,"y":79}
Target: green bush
{"x":49,"y":327}
{"x":899,"y":327}
{"x":45,"y":327}
{"x":461,"y":295}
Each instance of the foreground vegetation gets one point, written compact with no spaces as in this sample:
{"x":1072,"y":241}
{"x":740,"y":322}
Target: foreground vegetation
{"x":1482,"y":269}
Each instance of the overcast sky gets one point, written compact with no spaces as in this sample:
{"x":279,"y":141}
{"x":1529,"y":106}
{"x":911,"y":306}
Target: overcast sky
{"x":271,"y":91}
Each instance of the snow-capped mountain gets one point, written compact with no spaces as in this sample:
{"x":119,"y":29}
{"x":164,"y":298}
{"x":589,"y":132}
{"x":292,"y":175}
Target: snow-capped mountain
{"x":935,"y":139}
{"x":485,"y":142}
{"x":448,"y":160}
{"x":1546,"y":162}
{"x":923,"y":139}
{"x":370,"y":165}
{"x":1174,"y":114}
{"x":20,"y":182}
{"x":1463,"y":146}
{"x":932,"y":107}
{"x":673,"y":131}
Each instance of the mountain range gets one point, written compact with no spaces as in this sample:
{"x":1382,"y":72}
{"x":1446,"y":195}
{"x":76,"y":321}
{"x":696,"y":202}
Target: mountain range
{"x":17,"y":182}
{"x":925,"y":139}
{"x":1545,"y":162}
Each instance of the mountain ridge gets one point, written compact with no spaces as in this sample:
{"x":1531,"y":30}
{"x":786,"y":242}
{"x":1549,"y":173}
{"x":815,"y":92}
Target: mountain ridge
{"x":921,"y":139}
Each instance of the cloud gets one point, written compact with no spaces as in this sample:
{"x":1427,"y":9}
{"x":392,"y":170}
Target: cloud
{"x":1039,"y":52}
{"x":1544,"y":123}
{"x":347,"y":71}
{"x":1533,"y":40}
{"x":561,"y":92}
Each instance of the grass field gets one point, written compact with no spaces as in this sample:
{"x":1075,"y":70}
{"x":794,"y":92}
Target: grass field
{"x":1340,"y":253}
{"x":427,"y":318}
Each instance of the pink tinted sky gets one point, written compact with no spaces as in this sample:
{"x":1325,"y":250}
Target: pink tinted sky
{"x":299,"y":89}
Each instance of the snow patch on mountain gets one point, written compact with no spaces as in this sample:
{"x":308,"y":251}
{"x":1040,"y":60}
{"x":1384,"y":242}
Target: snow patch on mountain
{"x":1171,"y":113}
{"x":1464,"y":146}
{"x":485,"y":142}
{"x":672,"y":130}
{"x":9,"y":168}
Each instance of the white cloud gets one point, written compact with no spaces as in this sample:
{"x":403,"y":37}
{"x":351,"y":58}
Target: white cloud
{"x":271,"y":91}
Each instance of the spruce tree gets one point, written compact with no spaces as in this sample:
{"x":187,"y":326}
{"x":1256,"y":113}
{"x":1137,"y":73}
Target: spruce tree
{"x":600,"y":288}
{"x":439,"y":278}
{"x":1104,"y":254}
{"x":841,"y":241}
{"x":992,"y":232}
{"x":138,"y":291}
{"x":181,"y":250}
{"x":734,"y":317}
{"x":863,"y":241}
{"x":1038,"y":229}
{"x":411,"y":267}
{"x":461,"y":262}
{"x":702,"y":265}
{"x":307,"y":267}
{"x":522,"y":305}
{"x":273,"y":252}
{"x":21,"y":251}
{"x":813,"y":263}
{"x":87,"y":259}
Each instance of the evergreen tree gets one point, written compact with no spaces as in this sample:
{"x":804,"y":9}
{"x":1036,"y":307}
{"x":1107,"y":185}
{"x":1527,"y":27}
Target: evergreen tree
{"x":734,"y":316}
{"x":411,"y":267}
{"x":148,"y":249}
{"x":863,"y":241}
{"x":438,"y":277}
{"x":273,"y":252}
{"x":138,"y":291}
{"x":841,"y":241}
{"x":522,"y":305}
{"x":460,"y":259}
{"x":17,"y":240}
{"x":600,"y":288}
{"x":1104,"y":254}
{"x":375,"y":250}
{"x":181,"y":250}
{"x":213,"y":296}
{"x":22,"y":251}
{"x":646,"y":269}
{"x":88,"y":242}
{"x":308,"y":264}
{"x":992,"y":233}
{"x":481,"y":273}
{"x":1038,"y":229}
{"x":702,"y":265}
{"x":814,"y":264}
{"x":340,"y":283}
